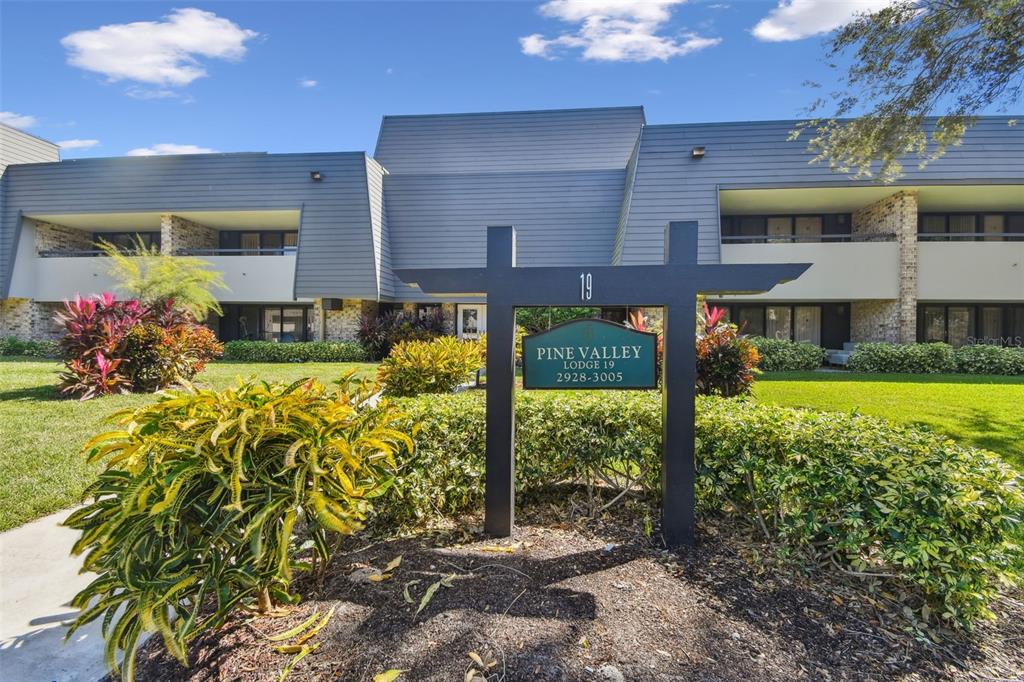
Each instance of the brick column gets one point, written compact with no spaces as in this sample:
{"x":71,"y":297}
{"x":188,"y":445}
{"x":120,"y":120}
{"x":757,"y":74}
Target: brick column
{"x":343,"y":325}
{"x":893,"y":321}
{"x":29,"y":320}
{"x":177,"y":233}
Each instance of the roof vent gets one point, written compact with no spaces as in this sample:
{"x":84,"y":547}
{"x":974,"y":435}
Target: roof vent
{"x":697,"y":153}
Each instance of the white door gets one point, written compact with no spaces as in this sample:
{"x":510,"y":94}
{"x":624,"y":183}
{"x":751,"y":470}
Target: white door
{"x":471,"y":320}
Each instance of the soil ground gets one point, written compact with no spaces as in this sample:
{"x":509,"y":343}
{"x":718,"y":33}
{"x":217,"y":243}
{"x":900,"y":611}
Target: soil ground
{"x":593,"y":600}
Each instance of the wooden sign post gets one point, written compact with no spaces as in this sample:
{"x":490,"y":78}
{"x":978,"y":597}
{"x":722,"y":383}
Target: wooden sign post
{"x":673,"y":286}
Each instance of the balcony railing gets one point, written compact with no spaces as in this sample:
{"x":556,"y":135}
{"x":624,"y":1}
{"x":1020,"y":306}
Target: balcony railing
{"x":970,"y":236}
{"x":71,"y":253}
{"x":813,"y":238}
{"x":283,"y":251}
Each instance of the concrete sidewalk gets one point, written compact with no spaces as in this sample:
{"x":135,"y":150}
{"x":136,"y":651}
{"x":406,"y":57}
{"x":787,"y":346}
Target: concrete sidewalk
{"x":38,"y":578}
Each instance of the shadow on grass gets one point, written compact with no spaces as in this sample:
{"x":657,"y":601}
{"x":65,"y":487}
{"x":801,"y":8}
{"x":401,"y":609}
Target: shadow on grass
{"x":45,"y":393}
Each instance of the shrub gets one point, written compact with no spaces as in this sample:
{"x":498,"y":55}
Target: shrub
{"x":844,"y":492}
{"x":113,"y":346}
{"x":379,"y":334}
{"x":984,"y":359}
{"x":35,"y":349}
{"x":726,"y":360}
{"x":437,"y":366}
{"x":892,"y":358}
{"x":535,"y":320}
{"x":203,"y":491}
{"x":778,"y":355}
{"x":312,"y":351}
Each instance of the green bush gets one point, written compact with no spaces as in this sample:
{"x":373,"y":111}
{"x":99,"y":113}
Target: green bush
{"x":778,"y":355}
{"x":312,"y":351}
{"x":196,"y":511}
{"x":35,"y":349}
{"x":535,"y":320}
{"x":983,"y":359}
{"x":842,"y":491}
{"x":911,"y":358}
{"x":437,"y":366}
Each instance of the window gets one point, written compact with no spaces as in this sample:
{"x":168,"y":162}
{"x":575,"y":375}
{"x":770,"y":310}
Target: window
{"x":127,"y":241}
{"x":808,"y":226}
{"x":780,"y":226}
{"x":751,"y":320}
{"x":779,"y":322}
{"x":424,"y":310}
{"x":991,"y":325}
{"x":994,"y":226}
{"x":808,"y":324}
{"x":259,"y":243}
{"x":960,"y":324}
{"x":751,"y":229}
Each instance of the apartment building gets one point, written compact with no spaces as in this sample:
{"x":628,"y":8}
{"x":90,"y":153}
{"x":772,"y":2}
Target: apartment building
{"x":308,"y":242}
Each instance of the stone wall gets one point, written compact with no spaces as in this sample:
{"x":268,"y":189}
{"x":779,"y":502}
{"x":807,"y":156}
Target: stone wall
{"x":26,"y":319}
{"x":53,"y":237}
{"x":896,"y":320}
{"x":177,"y":233}
{"x":875,"y":321}
{"x":341,"y":325}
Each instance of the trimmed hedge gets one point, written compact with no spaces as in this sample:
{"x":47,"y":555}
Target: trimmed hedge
{"x":312,"y":351}
{"x":779,"y":355}
{"x":933,"y":358}
{"x":982,"y":359}
{"x":911,"y":358}
{"x":841,"y":491}
{"x":36,"y":349}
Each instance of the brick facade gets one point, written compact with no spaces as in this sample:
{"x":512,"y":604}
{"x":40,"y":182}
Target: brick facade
{"x":53,"y":237}
{"x":26,"y":319}
{"x":177,"y":233}
{"x":341,"y":325}
{"x":893,"y":321}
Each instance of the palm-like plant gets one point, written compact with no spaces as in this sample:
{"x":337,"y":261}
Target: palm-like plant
{"x":143,"y":272}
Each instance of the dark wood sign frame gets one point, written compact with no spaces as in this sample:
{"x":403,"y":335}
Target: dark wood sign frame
{"x":674,"y":286}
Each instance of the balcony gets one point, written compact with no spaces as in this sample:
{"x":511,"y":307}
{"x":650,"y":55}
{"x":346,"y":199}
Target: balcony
{"x":250,"y":278}
{"x":841,"y":270}
{"x":970,"y":270}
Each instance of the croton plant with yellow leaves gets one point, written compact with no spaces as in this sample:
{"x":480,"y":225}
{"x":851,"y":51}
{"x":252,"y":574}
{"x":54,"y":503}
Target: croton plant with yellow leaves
{"x":204,"y":492}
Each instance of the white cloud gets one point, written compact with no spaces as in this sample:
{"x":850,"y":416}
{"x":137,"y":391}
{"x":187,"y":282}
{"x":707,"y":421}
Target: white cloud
{"x":307,"y":83}
{"x":165,"y":148}
{"x":614,"y":30}
{"x":159,"y":52}
{"x":797,"y":19}
{"x":77,"y":144}
{"x":17,"y":120}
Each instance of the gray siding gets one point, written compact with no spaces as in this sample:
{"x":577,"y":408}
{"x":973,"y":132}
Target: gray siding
{"x":335,"y":255}
{"x":20,"y":147}
{"x":571,"y":139}
{"x":561,"y":218}
{"x":627,"y":197}
{"x":669,"y":185}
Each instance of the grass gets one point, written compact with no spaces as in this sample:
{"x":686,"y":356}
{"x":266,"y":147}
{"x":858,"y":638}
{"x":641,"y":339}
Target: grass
{"x":983,"y":411}
{"x":41,"y":434}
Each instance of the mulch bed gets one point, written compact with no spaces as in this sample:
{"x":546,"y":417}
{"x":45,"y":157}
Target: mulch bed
{"x":593,"y":600}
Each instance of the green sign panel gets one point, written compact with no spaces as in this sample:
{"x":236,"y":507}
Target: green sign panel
{"x":590,"y":353}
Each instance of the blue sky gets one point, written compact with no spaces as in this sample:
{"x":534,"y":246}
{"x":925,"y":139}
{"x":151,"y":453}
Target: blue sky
{"x":151,"y":77}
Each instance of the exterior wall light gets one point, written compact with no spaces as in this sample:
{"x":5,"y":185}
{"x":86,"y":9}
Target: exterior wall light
{"x":697,"y":153}
{"x":315,"y":176}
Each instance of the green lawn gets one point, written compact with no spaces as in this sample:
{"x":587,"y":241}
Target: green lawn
{"x":41,"y":434}
{"x":984,"y":411}
{"x":42,"y":470}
